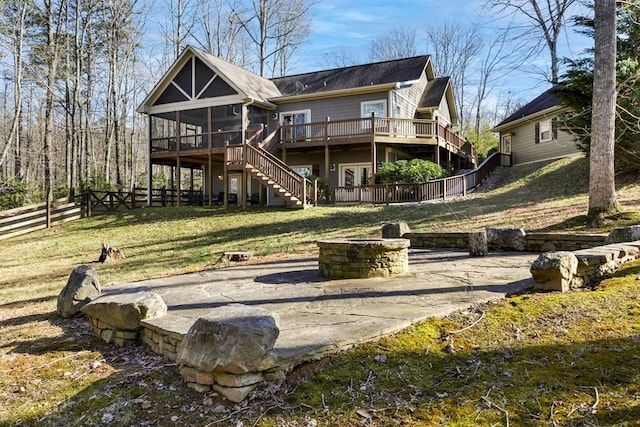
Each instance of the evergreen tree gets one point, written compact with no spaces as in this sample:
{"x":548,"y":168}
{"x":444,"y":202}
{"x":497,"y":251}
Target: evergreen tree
{"x":576,"y":91}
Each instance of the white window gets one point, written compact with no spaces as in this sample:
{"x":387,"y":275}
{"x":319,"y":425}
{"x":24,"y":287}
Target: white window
{"x":378,"y":108}
{"x":304,"y":170}
{"x":355,"y":174}
{"x":546,"y":132}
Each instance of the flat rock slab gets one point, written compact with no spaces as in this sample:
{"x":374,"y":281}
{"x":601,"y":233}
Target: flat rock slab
{"x":125,"y":310}
{"x":317,"y":316}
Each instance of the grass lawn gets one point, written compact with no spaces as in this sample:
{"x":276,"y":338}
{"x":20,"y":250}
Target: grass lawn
{"x":532,"y":359}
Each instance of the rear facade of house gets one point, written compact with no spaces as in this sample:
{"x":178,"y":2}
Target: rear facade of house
{"x":254,"y":140}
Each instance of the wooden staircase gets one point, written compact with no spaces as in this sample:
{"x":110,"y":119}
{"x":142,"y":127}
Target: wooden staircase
{"x":266,"y":168}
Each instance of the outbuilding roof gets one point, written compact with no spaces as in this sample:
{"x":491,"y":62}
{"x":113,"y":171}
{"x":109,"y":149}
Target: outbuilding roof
{"x":541,"y":103}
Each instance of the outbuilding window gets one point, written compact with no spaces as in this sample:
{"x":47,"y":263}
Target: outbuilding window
{"x":545,"y":131}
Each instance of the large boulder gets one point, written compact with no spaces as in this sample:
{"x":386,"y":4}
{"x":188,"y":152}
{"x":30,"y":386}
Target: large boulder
{"x":478,"y":243}
{"x":394,"y":230}
{"x":554,"y":271}
{"x":235,"y":339}
{"x":623,"y":234}
{"x":506,"y":239}
{"x":81,"y":288}
{"x":125,"y":311}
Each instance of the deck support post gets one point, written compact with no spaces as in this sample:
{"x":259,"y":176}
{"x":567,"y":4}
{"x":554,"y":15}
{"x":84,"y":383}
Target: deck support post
{"x":172,"y":183}
{"x":225,"y":175}
{"x":150,"y":168}
{"x":210,"y":159}
{"x":374,"y":160}
{"x":210,"y":178}
{"x":179,"y":178}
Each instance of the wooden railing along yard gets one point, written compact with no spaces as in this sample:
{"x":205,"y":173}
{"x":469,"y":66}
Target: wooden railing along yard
{"x":439,"y":189}
{"x":14,"y":222}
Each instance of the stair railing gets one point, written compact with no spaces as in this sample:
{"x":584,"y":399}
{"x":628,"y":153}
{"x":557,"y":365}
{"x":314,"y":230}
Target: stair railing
{"x":275,"y":170}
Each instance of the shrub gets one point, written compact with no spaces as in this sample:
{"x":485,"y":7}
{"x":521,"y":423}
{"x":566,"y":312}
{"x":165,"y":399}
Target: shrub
{"x":13,"y":194}
{"x":412,"y":171}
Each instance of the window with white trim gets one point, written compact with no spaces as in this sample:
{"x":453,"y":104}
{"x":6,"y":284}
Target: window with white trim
{"x":304,"y":170}
{"x":378,"y":108}
{"x":545,"y":131}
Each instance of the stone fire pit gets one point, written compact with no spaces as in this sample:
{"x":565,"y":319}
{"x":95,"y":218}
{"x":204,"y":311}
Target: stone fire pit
{"x":363,"y":258}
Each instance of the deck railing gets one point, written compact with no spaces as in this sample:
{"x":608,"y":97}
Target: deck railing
{"x":275,"y":169}
{"x":439,"y":189}
{"x":196,"y":141}
{"x":370,"y":126}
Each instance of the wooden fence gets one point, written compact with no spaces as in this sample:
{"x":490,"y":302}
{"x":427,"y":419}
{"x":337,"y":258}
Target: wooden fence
{"x":27,"y":219}
{"x":439,"y":189}
{"x":110,"y":201}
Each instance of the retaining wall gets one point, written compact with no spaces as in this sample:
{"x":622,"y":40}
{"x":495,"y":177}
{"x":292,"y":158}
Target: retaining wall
{"x":536,"y":242}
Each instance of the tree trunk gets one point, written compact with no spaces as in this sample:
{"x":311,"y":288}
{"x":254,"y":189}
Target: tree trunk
{"x":602,"y":194}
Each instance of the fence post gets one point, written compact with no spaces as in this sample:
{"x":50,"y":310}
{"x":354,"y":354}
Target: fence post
{"x":133,"y":198}
{"x":304,"y":192}
{"x":48,"y":213}
{"x":315,"y":192}
{"x":464,"y":185}
{"x":444,"y":189}
{"x":88,"y":202}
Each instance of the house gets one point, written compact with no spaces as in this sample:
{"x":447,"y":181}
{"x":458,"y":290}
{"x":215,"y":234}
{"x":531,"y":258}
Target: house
{"x":255,"y":139}
{"x":531,"y":133}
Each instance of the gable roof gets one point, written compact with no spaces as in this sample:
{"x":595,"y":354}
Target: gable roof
{"x":546,"y":101}
{"x":252,"y":85}
{"x":434,"y":92}
{"x":249,"y":85}
{"x":355,"y":77}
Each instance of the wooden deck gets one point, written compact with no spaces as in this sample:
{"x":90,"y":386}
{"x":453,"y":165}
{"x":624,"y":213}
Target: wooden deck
{"x":338,"y":132}
{"x":374,"y":129}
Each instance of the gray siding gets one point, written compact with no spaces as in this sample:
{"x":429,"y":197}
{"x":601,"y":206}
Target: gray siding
{"x":525,"y":149}
{"x":443,"y":111}
{"x":336,"y":158}
{"x":347,"y":107}
{"x":409,"y":97}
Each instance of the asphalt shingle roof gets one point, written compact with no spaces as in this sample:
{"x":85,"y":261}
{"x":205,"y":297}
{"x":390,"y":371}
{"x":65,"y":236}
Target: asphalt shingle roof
{"x":357,"y":76}
{"x":434,"y":92}
{"x":544,"y":101}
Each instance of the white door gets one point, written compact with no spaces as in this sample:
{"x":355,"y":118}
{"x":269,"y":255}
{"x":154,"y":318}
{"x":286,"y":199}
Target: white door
{"x":295,"y":119}
{"x":505,"y":150}
{"x":354,"y":175}
{"x":235,"y":189}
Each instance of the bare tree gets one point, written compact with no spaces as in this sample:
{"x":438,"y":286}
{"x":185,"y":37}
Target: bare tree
{"x":275,"y":28}
{"x":398,"y":43}
{"x":180,"y":24}
{"x":218,"y":30}
{"x":501,"y":56}
{"x":602,"y":192}
{"x":51,"y":15}
{"x":14,"y":32}
{"x":338,"y":57}
{"x":453,"y":49}
{"x":547,"y":20}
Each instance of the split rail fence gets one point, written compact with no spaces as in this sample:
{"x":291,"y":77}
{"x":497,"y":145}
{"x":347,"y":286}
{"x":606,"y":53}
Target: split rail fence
{"x":18,"y":221}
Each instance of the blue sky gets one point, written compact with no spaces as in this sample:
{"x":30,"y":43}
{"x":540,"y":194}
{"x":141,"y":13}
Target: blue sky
{"x":349,"y":26}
